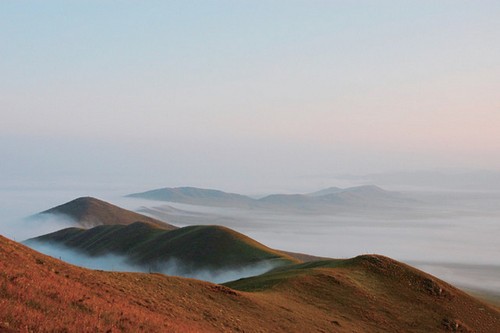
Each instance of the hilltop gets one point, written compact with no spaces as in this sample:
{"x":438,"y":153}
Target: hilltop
{"x":364,"y":294}
{"x":90,"y":212}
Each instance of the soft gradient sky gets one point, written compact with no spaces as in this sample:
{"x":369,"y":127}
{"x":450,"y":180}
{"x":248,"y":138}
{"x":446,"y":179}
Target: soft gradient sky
{"x":245,"y":94}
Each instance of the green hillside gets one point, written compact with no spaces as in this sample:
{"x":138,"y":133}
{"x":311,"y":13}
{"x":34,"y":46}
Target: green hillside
{"x":144,"y":244}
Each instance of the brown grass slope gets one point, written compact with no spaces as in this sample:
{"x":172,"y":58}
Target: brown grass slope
{"x":385,"y":295}
{"x":365,"y":294}
{"x":91,"y":212}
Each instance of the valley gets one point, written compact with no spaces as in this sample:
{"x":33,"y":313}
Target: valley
{"x":178,"y":241}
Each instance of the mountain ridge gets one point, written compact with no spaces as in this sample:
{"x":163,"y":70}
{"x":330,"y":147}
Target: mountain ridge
{"x":332,"y":198}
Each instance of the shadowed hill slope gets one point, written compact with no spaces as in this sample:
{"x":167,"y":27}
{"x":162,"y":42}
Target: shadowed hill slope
{"x":90,"y":212}
{"x":364,"y":294}
{"x":212,"y":247}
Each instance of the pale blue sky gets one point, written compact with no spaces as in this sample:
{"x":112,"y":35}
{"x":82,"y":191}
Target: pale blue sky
{"x":246,"y":93}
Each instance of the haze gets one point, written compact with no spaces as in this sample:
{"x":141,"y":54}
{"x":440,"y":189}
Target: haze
{"x":245,"y":95}
{"x":257,"y":97}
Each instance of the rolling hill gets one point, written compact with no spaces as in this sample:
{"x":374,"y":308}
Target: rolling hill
{"x":364,"y":294}
{"x":90,"y":212}
{"x":194,"y":247}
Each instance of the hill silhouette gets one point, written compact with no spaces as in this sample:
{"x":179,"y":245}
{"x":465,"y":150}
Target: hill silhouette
{"x":327,"y":200}
{"x":195,"y":247}
{"x":195,"y":196}
{"x":326,"y":191}
{"x":90,"y":212}
{"x":364,"y":294}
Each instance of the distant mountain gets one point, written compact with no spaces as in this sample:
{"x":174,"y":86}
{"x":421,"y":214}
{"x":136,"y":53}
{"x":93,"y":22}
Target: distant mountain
{"x":367,"y":190}
{"x":362,"y":194}
{"x":195,"y":196}
{"x":455,"y":180}
{"x":90,"y":212}
{"x":365,"y":294}
{"x":333,"y":199}
{"x":326,"y":200}
{"x":326,"y":191}
{"x":286,"y":199}
{"x":195,"y":247}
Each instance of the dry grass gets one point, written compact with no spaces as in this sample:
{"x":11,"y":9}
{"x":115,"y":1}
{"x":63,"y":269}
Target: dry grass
{"x":42,"y":294}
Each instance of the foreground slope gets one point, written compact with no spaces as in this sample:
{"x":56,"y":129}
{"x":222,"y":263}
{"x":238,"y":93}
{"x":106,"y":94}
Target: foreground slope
{"x":91,"y":212}
{"x":210,"y":247}
{"x":388,"y":295}
{"x":364,"y":294}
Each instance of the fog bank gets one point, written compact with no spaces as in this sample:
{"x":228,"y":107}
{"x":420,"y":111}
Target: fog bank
{"x":174,"y":267}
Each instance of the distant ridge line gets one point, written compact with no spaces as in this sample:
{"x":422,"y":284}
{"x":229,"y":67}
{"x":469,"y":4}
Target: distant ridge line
{"x":326,"y":198}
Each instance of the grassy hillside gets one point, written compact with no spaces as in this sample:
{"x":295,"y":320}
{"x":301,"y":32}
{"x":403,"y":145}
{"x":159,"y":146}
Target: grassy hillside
{"x":389,"y":295}
{"x":213,"y":247}
{"x":91,"y":212}
{"x":364,"y":294}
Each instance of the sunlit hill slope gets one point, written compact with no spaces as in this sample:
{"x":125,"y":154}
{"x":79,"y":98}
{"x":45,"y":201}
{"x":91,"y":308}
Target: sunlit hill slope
{"x":90,"y":212}
{"x":363,"y":294}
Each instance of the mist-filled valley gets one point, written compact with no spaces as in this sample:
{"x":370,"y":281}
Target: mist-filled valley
{"x":450,"y":234}
{"x":453,"y":235}
{"x":120,"y":263}
{"x":250,"y":166}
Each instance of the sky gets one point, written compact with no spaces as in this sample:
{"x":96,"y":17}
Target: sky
{"x":245,"y":95}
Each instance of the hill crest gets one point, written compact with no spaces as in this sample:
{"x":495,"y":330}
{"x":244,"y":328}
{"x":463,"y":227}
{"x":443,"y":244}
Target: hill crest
{"x":90,"y":212}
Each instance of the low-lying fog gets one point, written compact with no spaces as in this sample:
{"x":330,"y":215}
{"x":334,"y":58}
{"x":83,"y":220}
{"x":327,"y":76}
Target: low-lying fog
{"x":453,"y":236}
{"x":455,"y":239}
{"x":173,"y":267}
